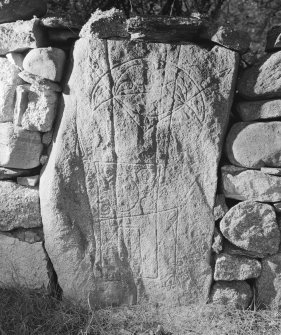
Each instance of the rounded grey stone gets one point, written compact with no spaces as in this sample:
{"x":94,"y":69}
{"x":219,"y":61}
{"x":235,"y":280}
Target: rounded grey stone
{"x":252,"y":226}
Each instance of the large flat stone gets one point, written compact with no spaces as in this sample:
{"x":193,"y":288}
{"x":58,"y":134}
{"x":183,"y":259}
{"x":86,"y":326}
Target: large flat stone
{"x":13,"y":10}
{"x":262,"y":81}
{"x":259,"y":110}
{"x":269,"y":283}
{"x":19,"y":206}
{"x":9,"y":80}
{"x":242,"y":184}
{"x":254,"y":145}
{"x":127,"y":195}
{"x":22,"y":264}
{"x":19,"y":148}
{"x":229,"y":267}
{"x":21,"y":35}
{"x":237,"y":294}
{"x":252,"y":226}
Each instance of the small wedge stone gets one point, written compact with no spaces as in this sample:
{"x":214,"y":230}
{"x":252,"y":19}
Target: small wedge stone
{"x":14,"y":173}
{"x":217,"y":245}
{"x":259,"y":110}
{"x":31,"y":181}
{"x":271,"y":171}
{"x":220,"y":208}
{"x":40,"y":83}
{"x":16,"y":59}
{"x":273,"y":40}
{"x":45,"y":62}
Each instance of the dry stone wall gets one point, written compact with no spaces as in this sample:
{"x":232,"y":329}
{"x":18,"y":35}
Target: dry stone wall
{"x":123,"y":130}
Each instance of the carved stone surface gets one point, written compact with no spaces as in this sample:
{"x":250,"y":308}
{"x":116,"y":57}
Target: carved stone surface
{"x":262,"y":81}
{"x":19,"y":206}
{"x":22,"y":264}
{"x":13,"y":10}
{"x":127,"y":195}
{"x":259,"y":110}
{"x":254,"y":145}
{"x":237,"y":294}
{"x":45,"y":62}
{"x":19,"y":148}
{"x":242,"y":184}
{"x":8,"y":83}
{"x":230,"y":267}
{"x":269,"y":283}
{"x":21,"y":35}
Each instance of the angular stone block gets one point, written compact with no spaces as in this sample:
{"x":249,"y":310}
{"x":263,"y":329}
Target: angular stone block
{"x":237,"y":294}
{"x":14,"y":10}
{"x":242,"y":184}
{"x":259,"y":110}
{"x":230,"y":268}
{"x":45,"y":62}
{"x":40,"y":83}
{"x":19,"y":206}
{"x":269,"y":283}
{"x":21,"y":35}
{"x":35,"y":109}
{"x":262,"y":81}
{"x":164,"y":28}
{"x":271,"y":171}
{"x":16,"y":59}
{"x":8,"y":83}
{"x":254,"y":145}
{"x":127,"y":195}
{"x":217,"y":245}
{"x":106,"y":24}
{"x":228,"y":37}
{"x":19,"y":148}
{"x":252,"y":226}
{"x":22,"y":264}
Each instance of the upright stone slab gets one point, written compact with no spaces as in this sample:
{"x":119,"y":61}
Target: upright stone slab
{"x":128,"y":193}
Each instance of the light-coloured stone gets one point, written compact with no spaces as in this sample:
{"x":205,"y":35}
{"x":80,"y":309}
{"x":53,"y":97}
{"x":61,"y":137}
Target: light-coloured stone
{"x":28,"y":181}
{"x":237,"y":294}
{"x":127,"y":195}
{"x":271,"y":171}
{"x":262,"y":81}
{"x":45,"y":62}
{"x":252,"y":226}
{"x":269,"y":283}
{"x":21,"y":35}
{"x":40,"y":83}
{"x":242,"y":184}
{"x":16,"y":59}
{"x":228,"y":37}
{"x":106,"y":24}
{"x":220,"y":208}
{"x":254,"y":145}
{"x":230,"y":267}
{"x":22,"y":264}
{"x":19,"y":148}
{"x":8,"y":83}
{"x":14,"y":10}
{"x":273,"y":40}
{"x":14,"y":173}
{"x":19,"y":206}
{"x":217,"y":245}
{"x":35,"y":109}
{"x":44,"y":159}
{"x":277,"y":207}
{"x":259,"y":110}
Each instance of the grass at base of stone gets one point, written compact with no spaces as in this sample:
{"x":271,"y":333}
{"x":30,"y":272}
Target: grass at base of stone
{"x":24,"y":312}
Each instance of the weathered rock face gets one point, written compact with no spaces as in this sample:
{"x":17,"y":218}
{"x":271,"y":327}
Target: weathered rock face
{"x":252,"y":226}
{"x":241,"y":184}
{"x":262,"y":81}
{"x":22,"y":264}
{"x":21,"y":35}
{"x":269,"y":283}
{"x":230,"y":267}
{"x":19,"y":148}
{"x":8,"y":82}
{"x":19,"y":207}
{"x":235,"y":293}
{"x":259,"y":110}
{"x":14,"y":10}
{"x":127,"y":195}
{"x":254,"y":145}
